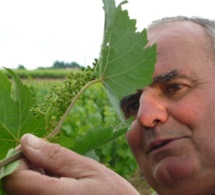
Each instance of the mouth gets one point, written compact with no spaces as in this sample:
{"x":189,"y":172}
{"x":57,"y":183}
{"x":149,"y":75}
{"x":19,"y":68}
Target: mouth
{"x":155,"y":145}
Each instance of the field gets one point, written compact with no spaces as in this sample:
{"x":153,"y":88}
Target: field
{"x":91,"y":111}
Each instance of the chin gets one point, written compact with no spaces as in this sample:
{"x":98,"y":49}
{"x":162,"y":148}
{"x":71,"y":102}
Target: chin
{"x":171,"y":175}
{"x":172,"y":170}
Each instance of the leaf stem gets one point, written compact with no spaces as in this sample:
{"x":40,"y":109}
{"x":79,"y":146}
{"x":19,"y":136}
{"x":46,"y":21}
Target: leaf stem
{"x":47,"y":113}
{"x":11,"y":158}
{"x":57,"y":128}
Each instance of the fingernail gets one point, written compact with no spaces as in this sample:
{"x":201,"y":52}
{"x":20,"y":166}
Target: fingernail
{"x":18,"y":148}
{"x":33,"y":141}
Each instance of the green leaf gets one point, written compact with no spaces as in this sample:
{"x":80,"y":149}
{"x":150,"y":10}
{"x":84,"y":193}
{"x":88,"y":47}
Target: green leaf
{"x":125,"y":63}
{"x":15,"y":117}
{"x":92,"y":154}
{"x":8,"y":169}
{"x":97,"y":137}
{"x":1,"y":189}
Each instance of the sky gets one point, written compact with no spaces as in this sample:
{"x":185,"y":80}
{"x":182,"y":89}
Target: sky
{"x":36,"y":33}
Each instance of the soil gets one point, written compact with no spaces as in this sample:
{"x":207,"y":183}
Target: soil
{"x":139,"y":182}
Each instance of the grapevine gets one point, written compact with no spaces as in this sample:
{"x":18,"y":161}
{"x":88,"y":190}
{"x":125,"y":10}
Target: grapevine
{"x":125,"y":64}
{"x":62,"y":98}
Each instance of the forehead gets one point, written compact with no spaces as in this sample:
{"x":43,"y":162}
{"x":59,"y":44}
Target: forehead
{"x":181,"y":46}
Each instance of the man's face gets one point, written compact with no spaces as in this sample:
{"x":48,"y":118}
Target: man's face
{"x":173,"y":134}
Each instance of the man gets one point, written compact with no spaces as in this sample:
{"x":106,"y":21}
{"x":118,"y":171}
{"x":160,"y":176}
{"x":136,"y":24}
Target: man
{"x":172,"y":135}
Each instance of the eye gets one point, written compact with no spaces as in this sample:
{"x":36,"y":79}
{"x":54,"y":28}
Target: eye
{"x":132,"y":109}
{"x":130,"y":104}
{"x":174,"y":89}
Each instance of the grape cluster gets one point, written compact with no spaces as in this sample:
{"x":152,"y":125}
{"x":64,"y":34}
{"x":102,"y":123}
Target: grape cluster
{"x":69,"y":89}
{"x":61,"y":96}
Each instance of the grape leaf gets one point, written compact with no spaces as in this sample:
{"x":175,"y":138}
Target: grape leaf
{"x":8,"y":169}
{"x":97,"y":137}
{"x":15,"y":117}
{"x":125,"y":65}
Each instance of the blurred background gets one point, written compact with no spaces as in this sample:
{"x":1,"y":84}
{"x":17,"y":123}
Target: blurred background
{"x":46,"y":40}
{"x":37,"y":33}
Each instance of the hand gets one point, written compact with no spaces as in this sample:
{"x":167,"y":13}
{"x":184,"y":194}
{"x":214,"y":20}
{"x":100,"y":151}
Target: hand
{"x":50,"y":169}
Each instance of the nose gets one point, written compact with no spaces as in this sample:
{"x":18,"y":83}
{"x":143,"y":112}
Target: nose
{"x":152,"y":109}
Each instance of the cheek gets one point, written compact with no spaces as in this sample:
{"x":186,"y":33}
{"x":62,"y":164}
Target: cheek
{"x":199,"y":116}
{"x":134,"y":138}
{"x":190,"y":112}
{"x":196,"y":108}
{"x":135,"y":141}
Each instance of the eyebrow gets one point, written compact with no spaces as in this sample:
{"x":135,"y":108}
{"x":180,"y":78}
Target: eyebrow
{"x":165,"y":78}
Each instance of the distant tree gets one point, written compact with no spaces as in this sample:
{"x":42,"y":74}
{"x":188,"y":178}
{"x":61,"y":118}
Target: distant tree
{"x":21,"y":67}
{"x":59,"y":64}
{"x":74,"y":65}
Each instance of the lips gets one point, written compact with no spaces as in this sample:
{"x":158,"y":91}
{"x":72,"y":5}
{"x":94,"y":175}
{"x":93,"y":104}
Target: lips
{"x":155,"y":145}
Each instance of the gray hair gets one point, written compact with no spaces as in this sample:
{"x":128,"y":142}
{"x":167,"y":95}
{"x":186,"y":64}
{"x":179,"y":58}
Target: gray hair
{"x":208,"y":25}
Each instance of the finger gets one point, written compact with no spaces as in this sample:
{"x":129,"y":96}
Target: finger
{"x":30,"y":179}
{"x":59,"y":160}
{"x":27,"y":182}
{"x":24,"y":164}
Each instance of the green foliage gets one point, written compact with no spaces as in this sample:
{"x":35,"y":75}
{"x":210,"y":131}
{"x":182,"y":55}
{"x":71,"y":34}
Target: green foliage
{"x":61,"y":96}
{"x":15,"y":118}
{"x":93,"y":111}
{"x":118,"y":156}
{"x":41,"y":87}
{"x":90,"y":141}
{"x":8,"y":169}
{"x":42,"y":73}
{"x":125,"y":65}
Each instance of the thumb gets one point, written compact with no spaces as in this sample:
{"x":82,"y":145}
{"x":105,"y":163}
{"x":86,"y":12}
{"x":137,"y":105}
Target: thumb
{"x":58,"y":160}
